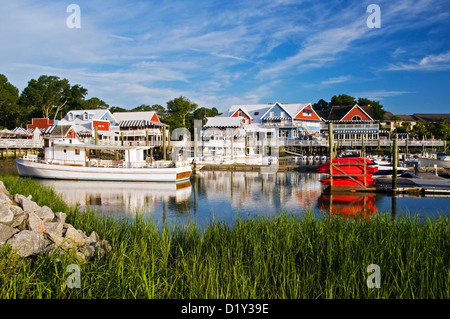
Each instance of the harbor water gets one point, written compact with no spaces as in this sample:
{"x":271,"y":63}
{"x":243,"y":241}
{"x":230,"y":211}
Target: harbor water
{"x":224,"y":195}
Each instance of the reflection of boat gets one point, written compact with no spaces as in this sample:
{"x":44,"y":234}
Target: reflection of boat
{"x":73,"y":160}
{"x":348,"y":205}
{"x":119,"y":197}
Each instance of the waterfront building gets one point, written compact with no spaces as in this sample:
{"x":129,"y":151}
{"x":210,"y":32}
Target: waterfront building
{"x":351,"y":124}
{"x":140,"y":128}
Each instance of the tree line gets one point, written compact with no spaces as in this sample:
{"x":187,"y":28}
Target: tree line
{"x":52,"y":97}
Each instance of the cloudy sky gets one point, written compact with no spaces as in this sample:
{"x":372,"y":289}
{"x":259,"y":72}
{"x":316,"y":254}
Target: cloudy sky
{"x":219,"y":53}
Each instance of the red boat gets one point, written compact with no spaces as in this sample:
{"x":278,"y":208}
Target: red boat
{"x":343,"y":166}
{"x":347,"y":181}
{"x":352,"y":170}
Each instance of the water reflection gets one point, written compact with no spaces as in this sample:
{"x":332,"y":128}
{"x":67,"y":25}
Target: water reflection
{"x":120,"y":198}
{"x":348,"y":205}
{"x":223,"y":195}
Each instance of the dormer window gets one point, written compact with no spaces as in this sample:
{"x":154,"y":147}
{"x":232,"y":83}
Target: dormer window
{"x":307,"y":113}
{"x":70,"y":116}
{"x":85,"y":116}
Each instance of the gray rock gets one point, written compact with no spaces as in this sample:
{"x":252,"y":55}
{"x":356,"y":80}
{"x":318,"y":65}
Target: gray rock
{"x":93,"y":237}
{"x":60,"y":217}
{"x":102,"y":248}
{"x":6,"y":199}
{"x":89,"y":252}
{"x":27,"y":243}
{"x":6,"y":215}
{"x":35,"y":223}
{"x":73,"y":236}
{"x":6,"y":232}
{"x":26,"y":203}
{"x":17,"y":210}
{"x":53,"y":228}
{"x":45,"y":213}
{"x":19,"y":221}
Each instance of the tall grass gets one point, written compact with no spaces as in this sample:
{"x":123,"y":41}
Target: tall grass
{"x":280,"y":257}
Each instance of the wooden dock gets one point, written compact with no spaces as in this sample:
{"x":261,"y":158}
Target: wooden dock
{"x":425,"y":184}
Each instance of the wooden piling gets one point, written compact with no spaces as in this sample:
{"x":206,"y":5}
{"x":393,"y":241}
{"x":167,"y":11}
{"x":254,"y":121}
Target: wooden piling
{"x":395,"y":164}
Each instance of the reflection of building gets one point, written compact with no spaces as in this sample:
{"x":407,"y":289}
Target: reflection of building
{"x":255,"y":192}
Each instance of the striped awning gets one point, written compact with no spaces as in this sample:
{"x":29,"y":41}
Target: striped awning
{"x":138,"y":124}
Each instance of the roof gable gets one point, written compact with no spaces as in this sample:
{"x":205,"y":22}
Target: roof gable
{"x":236,"y":113}
{"x":279,"y":112}
{"x":347,"y":112}
{"x":313,"y":116}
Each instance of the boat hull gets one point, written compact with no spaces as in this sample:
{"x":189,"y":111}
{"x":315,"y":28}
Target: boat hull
{"x":66,"y":172}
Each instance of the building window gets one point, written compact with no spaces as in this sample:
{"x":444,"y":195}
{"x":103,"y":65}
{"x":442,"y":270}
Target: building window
{"x":256,"y":113}
{"x":85,"y":116}
{"x":356,"y":118}
{"x":77,"y":151}
{"x":240,"y":113}
{"x":70,"y":116}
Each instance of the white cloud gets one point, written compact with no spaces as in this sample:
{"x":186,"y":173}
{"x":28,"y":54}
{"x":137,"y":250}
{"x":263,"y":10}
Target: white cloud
{"x":379,"y":94}
{"x":338,"y":79}
{"x":431,"y":62}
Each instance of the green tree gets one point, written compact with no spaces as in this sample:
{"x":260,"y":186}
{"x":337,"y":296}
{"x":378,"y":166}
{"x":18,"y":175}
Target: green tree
{"x":94,"y":103}
{"x":321,"y":105}
{"x":141,"y":108}
{"x":9,"y":96}
{"x":114,"y":109}
{"x":178,"y":109}
{"x":343,"y":99}
{"x":378,"y":111}
{"x":47,"y":93}
{"x":420,"y":129}
{"x":159,"y":109}
{"x":204,"y":112}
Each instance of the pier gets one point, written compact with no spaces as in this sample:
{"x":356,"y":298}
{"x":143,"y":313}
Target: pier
{"x":19,"y":147}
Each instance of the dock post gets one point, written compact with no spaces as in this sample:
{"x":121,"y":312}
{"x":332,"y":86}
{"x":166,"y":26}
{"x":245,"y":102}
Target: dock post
{"x":164,"y":143}
{"x":395,"y":164}
{"x":330,"y":147}
{"x":330,"y":140}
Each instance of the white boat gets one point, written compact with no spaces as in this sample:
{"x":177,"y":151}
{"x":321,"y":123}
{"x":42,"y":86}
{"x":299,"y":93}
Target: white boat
{"x":443,"y":157}
{"x":387,"y":169}
{"x":73,"y":160}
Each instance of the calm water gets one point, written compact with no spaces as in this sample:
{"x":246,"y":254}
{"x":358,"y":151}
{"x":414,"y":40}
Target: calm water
{"x":224,"y":195}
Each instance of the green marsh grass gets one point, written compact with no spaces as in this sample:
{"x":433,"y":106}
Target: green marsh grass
{"x":279,"y":257}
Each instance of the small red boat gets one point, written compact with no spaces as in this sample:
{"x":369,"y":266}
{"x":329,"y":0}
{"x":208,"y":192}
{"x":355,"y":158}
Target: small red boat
{"x":345,"y":169}
{"x":347,"y":181}
{"x":353,"y":169}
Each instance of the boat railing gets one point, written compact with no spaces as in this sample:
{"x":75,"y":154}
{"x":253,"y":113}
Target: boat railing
{"x":107,"y":163}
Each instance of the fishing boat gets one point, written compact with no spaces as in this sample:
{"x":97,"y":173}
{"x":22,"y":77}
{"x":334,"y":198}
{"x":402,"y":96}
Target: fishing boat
{"x":70,"y":159}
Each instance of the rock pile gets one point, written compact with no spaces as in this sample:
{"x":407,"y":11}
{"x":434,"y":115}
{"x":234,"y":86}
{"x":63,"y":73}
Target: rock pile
{"x":31,"y":230}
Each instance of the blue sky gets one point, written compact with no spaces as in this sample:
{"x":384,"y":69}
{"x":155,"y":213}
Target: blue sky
{"x":219,"y":53}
